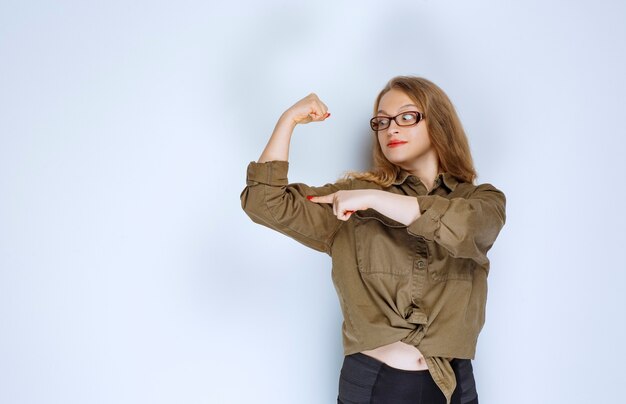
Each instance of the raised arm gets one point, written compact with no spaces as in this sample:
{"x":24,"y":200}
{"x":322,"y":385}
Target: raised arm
{"x":270,"y":200}
{"x":308,"y":109}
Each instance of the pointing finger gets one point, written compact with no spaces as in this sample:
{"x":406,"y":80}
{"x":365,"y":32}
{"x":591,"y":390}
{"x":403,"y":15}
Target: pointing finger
{"x":322,"y":199}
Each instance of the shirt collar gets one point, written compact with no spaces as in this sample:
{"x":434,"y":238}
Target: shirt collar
{"x":448,"y":180}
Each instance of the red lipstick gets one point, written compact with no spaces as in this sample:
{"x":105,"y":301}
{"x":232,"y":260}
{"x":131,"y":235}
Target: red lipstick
{"x":395,"y":143}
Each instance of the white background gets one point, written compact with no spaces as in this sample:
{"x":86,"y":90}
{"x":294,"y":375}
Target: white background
{"x":129,"y":272}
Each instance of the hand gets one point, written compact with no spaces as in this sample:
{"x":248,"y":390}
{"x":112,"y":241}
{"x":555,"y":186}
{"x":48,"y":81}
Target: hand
{"x":308,"y":109}
{"x":345,"y":203}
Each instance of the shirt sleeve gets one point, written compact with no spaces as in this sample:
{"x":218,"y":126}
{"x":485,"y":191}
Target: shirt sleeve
{"x":466,"y":227}
{"x":270,"y":200}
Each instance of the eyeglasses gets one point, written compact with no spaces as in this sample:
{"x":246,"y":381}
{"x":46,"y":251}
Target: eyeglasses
{"x":409,"y":118}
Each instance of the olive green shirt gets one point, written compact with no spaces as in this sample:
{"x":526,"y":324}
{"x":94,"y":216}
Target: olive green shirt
{"x":424,"y":284}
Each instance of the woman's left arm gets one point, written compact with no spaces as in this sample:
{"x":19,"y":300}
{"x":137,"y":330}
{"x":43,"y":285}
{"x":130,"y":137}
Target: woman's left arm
{"x":401,"y":208}
{"x":466,"y":227}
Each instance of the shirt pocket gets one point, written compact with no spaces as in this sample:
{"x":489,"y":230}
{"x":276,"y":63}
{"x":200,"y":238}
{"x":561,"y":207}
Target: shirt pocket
{"x":383,"y":246}
{"x":443,"y":267}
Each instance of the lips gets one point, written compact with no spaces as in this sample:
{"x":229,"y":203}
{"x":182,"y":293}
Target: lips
{"x":395,"y":143}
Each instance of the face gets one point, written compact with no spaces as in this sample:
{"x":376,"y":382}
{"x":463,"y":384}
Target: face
{"x":408,"y":147}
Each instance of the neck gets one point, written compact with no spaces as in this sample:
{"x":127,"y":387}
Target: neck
{"x":426,"y":171}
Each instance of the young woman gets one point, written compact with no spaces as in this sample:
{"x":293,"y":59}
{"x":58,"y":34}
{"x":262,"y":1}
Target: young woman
{"x":408,"y":241}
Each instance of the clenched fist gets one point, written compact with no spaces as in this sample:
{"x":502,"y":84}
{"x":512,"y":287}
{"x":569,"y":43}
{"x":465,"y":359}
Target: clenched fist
{"x":308,"y":109}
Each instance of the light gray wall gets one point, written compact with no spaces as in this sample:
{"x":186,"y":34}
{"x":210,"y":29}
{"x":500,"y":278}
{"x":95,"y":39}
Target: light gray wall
{"x":129,"y":272}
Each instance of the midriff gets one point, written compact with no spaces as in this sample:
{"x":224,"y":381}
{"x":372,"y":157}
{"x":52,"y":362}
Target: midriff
{"x":399,"y":355}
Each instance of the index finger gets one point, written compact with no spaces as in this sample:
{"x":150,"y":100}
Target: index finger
{"x":322,"y":199}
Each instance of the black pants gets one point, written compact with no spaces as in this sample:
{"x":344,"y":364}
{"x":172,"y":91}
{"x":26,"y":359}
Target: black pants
{"x":366,"y":380}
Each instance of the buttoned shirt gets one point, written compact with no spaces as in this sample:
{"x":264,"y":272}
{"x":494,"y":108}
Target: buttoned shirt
{"x":424,"y":284}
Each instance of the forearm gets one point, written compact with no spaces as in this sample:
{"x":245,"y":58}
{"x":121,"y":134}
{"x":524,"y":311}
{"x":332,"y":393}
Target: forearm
{"x":401,"y":208}
{"x":277,"y":147}
{"x":308,"y":109}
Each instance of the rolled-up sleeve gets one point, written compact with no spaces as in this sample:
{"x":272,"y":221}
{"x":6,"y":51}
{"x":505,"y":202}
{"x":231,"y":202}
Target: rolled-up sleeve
{"x":272,"y":173}
{"x":466,"y":227}
{"x":270,"y":200}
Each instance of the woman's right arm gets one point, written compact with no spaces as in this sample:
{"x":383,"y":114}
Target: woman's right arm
{"x":270,"y":200}
{"x":308,"y":109}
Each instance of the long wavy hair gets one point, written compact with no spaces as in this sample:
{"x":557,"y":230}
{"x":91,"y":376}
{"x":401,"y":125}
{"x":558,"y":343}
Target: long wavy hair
{"x":444,"y":129}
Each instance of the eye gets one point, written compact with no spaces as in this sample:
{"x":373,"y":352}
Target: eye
{"x":382,"y":121}
{"x":408,"y":118}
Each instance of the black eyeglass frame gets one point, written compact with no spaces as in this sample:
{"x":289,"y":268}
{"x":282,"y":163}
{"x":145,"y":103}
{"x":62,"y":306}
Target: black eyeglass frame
{"x":418,"y":115}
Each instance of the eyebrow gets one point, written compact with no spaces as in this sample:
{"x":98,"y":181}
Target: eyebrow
{"x":404,"y":106}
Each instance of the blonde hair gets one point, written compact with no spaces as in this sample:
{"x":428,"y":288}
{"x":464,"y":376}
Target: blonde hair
{"x":444,"y":129}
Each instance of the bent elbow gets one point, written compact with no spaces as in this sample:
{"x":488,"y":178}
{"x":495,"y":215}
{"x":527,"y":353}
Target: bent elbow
{"x":251,"y":200}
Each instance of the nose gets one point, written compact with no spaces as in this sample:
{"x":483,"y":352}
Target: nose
{"x":393,"y":127}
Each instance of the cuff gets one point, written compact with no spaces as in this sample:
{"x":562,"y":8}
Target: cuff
{"x":432,"y":207}
{"x":270,"y":172}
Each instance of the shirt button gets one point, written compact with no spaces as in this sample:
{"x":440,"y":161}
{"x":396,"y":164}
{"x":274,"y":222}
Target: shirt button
{"x":421,"y":264}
